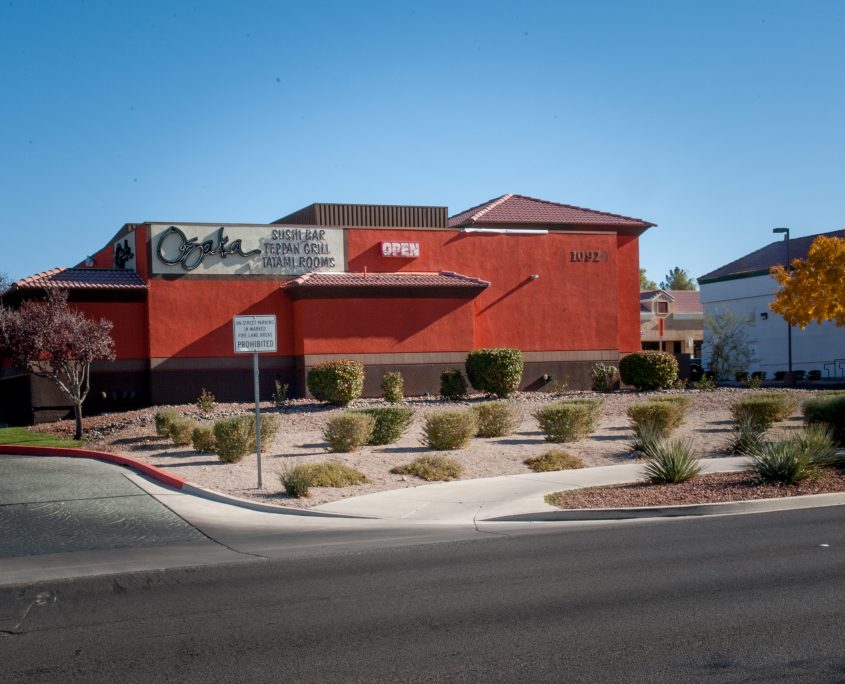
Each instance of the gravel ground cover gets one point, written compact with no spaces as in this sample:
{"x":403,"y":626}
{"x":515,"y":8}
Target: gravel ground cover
{"x":300,"y":440}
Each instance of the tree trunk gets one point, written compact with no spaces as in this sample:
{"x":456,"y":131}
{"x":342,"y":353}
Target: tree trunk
{"x":77,"y":413}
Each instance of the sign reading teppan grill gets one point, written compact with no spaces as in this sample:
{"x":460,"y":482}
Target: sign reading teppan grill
{"x":246,"y":250}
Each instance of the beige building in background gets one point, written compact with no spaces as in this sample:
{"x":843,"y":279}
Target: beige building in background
{"x":683,"y":321}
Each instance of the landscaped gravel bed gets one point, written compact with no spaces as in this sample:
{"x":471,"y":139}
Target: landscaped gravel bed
{"x":715,"y":488}
{"x":300,"y":441}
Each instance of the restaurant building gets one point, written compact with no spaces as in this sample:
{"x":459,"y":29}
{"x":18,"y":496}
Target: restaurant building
{"x":396,"y":287}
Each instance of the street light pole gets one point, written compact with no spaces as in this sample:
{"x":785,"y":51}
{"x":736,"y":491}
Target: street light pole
{"x":785,"y":231}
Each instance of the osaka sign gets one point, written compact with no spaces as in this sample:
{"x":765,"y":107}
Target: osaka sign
{"x":245,"y":250}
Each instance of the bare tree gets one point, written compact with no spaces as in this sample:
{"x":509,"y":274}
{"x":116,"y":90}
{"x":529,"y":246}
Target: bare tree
{"x":5,"y":283}
{"x":51,"y":340}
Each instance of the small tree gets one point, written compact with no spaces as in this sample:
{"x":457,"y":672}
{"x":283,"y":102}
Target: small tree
{"x":645,"y":283}
{"x":726,"y":344}
{"x":51,"y":340}
{"x":678,"y":279}
{"x":5,"y":283}
{"x":814,"y":288}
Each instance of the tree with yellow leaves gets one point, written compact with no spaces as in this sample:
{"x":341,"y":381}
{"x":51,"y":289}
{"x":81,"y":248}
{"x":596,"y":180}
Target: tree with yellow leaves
{"x":814,"y":288}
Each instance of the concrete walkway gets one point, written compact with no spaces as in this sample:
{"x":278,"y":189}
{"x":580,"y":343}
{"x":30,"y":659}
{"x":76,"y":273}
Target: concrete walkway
{"x":471,"y":501}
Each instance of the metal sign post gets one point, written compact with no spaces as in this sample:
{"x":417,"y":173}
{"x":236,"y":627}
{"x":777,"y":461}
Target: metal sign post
{"x":255,"y":334}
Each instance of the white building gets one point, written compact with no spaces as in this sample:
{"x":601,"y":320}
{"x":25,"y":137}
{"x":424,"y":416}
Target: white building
{"x":745,"y":287}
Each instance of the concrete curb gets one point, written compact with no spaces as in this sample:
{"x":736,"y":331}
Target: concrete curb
{"x":165,"y":478}
{"x":220,"y":497}
{"x":693,"y":510}
{"x":144,"y":468}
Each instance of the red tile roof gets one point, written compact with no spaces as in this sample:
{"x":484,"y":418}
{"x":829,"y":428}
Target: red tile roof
{"x":520,"y":209}
{"x":683,"y":301}
{"x":760,"y":261}
{"x":387,"y":280}
{"x":82,"y":279}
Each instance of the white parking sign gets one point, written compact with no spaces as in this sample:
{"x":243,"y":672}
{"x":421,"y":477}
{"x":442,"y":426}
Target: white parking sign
{"x":254,"y":334}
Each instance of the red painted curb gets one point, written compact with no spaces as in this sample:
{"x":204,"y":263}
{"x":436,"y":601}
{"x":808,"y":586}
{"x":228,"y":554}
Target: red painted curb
{"x":145,"y":468}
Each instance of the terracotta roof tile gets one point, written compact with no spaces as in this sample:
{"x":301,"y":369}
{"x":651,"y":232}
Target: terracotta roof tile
{"x":82,"y":279}
{"x":520,"y":209}
{"x":386,"y":280}
{"x":761,"y":260}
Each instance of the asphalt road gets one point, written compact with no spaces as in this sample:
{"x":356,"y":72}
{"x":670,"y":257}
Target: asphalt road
{"x":752,"y":598}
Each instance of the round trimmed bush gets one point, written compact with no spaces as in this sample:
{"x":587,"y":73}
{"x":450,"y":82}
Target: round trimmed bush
{"x":447,"y":430}
{"x":180,"y":430}
{"x":389,"y":423}
{"x":496,"y":371}
{"x":202,"y":439}
{"x":568,"y":421}
{"x":337,"y":382}
{"x":163,"y":419}
{"x":663,"y":416}
{"x":763,"y":408}
{"x":828,"y":409}
{"x":233,"y":438}
{"x":349,"y":431}
{"x":496,"y":418}
{"x":453,"y":385}
{"x":393,"y":387}
{"x":649,"y":370}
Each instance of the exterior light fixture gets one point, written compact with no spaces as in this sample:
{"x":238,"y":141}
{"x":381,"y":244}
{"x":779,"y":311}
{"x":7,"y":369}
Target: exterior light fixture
{"x":785,"y":232}
{"x":534,"y":276}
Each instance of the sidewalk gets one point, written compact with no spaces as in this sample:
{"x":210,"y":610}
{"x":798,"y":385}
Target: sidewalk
{"x":472,"y":501}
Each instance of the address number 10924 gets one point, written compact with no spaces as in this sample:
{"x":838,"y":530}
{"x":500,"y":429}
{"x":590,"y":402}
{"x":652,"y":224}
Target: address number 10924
{"x":588,"y":256}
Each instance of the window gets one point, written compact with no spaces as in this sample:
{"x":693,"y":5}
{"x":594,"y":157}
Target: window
{"x":662,"y":307}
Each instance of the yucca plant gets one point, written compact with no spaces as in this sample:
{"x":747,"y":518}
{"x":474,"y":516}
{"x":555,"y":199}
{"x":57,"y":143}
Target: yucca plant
{"x":747,"y":436}
{"x":783,"y":463}
{"x":671,"y":462}
{"x":818,"y":443}
{"x":646,"y":435}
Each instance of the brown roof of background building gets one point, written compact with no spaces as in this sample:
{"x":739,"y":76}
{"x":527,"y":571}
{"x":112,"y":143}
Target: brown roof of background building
{"x":683,"y":301}
{"x":521,"y":210}
{"x":760,"y":261}
{"x":82,"y":279}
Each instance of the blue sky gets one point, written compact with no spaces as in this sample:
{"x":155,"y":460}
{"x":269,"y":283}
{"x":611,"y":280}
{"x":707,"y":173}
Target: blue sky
{"x":717,"y":120}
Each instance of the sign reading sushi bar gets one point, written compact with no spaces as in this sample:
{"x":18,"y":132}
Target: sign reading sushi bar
{"x":246,"y":250}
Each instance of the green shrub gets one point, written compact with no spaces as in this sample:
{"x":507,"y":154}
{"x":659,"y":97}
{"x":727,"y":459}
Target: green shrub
{"x":554,"y":459}
{"x":603,"y":378}
{"x":348,"y":431}
{"x":818,"y":443}
{"x":393,"y":387}
{"x":431,"y":468}
{"x":337,"y":382}
{"x":296,"y":482}
{"x":453,"y":385}
{"x":202,"y":439}
{"x":747,"y":435}
{"x":206,"y":401}
{"x":568,"y":421}
{"x":495,"y":371}
{"x":447,"y":430}
{"x":671,"y":462}
{"x":280,"y":392}
{"x":663,"y":416}
{"x":766,"y":408}
{"x":390,"y":423}
{"x":496,"y":418}
{"x":649,"y":370}
{"x":784,"y":463}
{"x":180,"y":431}
{"x":705,"y":384}
{"x":333,"y":474}
{"x":646,"y":435}
{"x":559,"y":388}
{"x":163,"y":419}
{"x":828,"y":408}
{"x":234,"y":438}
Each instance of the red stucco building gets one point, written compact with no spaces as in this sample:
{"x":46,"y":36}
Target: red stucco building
{"x":396,"y":287}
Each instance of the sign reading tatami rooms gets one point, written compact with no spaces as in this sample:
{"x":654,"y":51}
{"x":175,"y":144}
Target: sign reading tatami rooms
{"x":245,"y":250}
